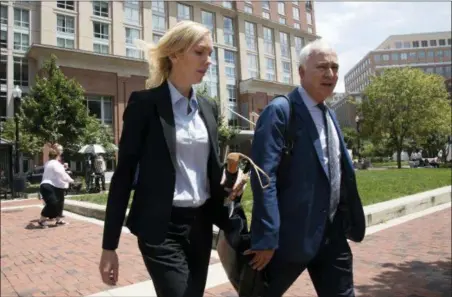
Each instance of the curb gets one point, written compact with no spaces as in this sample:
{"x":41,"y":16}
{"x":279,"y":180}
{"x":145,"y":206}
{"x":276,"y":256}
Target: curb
{"x":375,"y":214}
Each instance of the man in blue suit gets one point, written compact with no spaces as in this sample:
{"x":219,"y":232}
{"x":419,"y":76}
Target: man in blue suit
{"x":303,"y":219}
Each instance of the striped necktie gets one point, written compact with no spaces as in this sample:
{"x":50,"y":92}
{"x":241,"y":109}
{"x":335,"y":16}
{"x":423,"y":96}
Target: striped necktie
{"x":333,"y":162}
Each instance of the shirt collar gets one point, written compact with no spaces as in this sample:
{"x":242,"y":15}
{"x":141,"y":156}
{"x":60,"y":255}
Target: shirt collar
{"x":310,"y":103}
{"x":176,"y":96}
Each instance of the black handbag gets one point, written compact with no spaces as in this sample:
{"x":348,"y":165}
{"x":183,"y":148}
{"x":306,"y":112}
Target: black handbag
{"x":230,"y":247}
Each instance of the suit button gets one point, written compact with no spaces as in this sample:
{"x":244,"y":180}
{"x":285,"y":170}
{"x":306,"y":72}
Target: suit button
{"x":324,"y":210}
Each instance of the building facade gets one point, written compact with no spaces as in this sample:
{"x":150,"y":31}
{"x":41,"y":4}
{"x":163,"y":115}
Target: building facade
{"x":430,"y":52}
{"x":255,"y":57}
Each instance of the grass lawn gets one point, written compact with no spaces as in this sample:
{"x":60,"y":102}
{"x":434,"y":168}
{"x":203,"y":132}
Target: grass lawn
{"x":373,"y":185}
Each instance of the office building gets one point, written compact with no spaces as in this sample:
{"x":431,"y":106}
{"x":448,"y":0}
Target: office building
{"x":430,"y":52}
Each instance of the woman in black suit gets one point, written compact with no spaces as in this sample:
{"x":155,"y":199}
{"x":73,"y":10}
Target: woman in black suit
{"x":172,"y":134}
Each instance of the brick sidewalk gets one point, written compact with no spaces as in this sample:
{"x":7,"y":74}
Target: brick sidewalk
{"x":408,"y":260}
{"x":58,"y":261}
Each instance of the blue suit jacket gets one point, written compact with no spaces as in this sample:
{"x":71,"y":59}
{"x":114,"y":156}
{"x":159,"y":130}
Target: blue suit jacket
{"x":290,"y":215}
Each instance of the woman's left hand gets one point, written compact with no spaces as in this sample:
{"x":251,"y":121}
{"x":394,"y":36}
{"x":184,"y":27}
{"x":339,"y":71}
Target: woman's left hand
{"x":239,"y":186}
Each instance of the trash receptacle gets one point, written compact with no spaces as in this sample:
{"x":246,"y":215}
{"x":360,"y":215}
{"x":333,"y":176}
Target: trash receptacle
{"x":19,"y":184}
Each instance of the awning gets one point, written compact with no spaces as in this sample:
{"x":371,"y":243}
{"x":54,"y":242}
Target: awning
{"x":81,"y":59}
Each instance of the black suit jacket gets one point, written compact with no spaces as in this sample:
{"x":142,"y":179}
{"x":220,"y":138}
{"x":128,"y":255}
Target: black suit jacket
{"x":149,"y":139}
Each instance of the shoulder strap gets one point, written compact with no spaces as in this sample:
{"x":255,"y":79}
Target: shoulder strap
{"x":289,"y":132}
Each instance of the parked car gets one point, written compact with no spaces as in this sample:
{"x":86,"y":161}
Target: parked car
{"x":35,"y":176}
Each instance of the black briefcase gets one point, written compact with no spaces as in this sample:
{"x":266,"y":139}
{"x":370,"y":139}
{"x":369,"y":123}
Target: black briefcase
{"x":230,"y":247}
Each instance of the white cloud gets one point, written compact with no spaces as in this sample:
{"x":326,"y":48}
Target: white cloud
{"x":355,"y":28}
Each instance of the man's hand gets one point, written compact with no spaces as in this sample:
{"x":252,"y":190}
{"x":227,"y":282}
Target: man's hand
{"x":239,"y":185}
{"x":109,"y":267}
{"x":260,"y":259}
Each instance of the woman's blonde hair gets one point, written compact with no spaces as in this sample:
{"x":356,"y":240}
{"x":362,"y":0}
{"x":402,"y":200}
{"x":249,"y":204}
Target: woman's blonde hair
{"x":55,"y":150}
{"x":179,"y":38}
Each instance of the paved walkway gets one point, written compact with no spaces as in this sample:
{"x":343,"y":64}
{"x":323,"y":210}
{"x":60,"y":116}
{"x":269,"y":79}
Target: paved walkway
{"x":412,"y":259}
{"x":58,"y":261}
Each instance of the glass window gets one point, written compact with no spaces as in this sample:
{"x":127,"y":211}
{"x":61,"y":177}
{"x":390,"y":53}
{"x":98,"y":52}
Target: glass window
{"x":21,"y":41}
{"x":281,"y":8}
{"x":158,"y":23}
{"x":227,"y":4}
{"x":66,"y":5}
{"x":208,"y":20}
{"x":21,"y":18}
{"x":270,"y":69}
{"x":299,"y":44}
{"x":184,"y":12}
{"x":101,"y":38}
{"x":228,"y":31}
{"x":285,"y":47}
{"x":309,"y":18}
{"x":268,"y":41}
{"x":21,"y":71}
{"x":159,"y":20}
{"x":101,"y":107}
{"x":287,"y":75}
{"x":100,"y":8}
{"x":250,"y":33}
{"x":253,"y":66}
{"x":3,"y":68}
{"x":131,"y":50}
{"x":3,"y":15}
{"x":3,"y":105}
{"x":132,"y":12}
{"x":296,"y":13}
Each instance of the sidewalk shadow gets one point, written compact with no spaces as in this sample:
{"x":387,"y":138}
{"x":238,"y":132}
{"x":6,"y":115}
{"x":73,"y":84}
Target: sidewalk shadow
{"x":410,"y":279}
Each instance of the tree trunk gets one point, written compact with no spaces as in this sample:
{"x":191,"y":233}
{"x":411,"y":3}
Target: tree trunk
{"x":399,"y":157}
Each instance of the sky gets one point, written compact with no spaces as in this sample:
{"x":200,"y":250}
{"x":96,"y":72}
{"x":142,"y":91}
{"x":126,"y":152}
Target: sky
{"x":356,"y":28}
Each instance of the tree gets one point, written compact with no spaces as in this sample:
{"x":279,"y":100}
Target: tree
{"x":405,"y":104}
{"x":225,"y":132}
{"x":28,"y":143}
{"x":350,"y":138}
{"x":55,"y":112}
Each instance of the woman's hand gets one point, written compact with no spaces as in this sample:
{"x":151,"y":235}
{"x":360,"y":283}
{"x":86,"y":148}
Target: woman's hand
{"x":239,"y":185}
{"x":109,"y":267}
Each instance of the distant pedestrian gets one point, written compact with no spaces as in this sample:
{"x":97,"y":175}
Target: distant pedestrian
{"x":54,"y":182}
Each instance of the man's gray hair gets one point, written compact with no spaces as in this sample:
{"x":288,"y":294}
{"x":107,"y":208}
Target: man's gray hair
{"x":318,"y":45}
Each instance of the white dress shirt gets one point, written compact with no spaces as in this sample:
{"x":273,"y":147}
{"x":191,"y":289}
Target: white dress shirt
{"x":192,"y":151}
{"x":55,"y":175}
{"x":317,"y":117}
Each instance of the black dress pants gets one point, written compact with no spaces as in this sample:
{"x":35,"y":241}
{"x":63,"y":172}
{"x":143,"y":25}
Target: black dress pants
{"x":54,"y":199}
{"x":178,"y":266}
{"x":331,"y":270}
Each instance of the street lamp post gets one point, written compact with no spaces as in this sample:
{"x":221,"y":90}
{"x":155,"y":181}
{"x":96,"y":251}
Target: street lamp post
{"x":17,"y":95}
{"x":358,"y":120}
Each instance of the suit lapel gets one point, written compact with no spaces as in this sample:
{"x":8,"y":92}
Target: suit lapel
{"x":165,"y":111}
{"x":303,"y":112}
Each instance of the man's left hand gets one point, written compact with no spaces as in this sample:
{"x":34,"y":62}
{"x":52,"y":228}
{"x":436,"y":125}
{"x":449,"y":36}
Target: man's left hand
{"x":260,"y":258}
{"x":239,"y":185}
